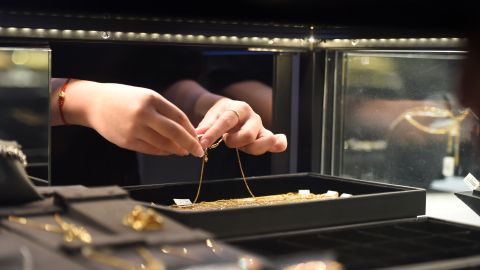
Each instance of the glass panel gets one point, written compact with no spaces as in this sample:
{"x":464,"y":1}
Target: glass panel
{"x":401,"y":120}
{"x":24,"y":101}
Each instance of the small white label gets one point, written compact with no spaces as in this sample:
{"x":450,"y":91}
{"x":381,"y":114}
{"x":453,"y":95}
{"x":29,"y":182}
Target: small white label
{"x":471,"y":181}
{"x":448,"y":166}
{"x":331,"y":193}
{"x":304,"y":191}
{"x":182,"y":202}
{"x":345,"y":195}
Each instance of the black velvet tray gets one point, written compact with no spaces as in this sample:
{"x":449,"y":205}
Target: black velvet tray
{"x":370,"y":202}
{"x":422,"y":243}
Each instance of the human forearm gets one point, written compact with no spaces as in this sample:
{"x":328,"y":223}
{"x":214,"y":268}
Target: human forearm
{"x":131,"y":117}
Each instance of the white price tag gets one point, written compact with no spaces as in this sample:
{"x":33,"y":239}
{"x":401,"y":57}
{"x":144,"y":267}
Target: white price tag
{"x":182,"y":202}
{"x":331,"y":193}
{"x":471,"y":181}
{"x":304,"y":191}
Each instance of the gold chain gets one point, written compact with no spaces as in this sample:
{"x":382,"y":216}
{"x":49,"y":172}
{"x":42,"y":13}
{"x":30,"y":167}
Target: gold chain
{"x":243,"y":174}
{"x":205,"y":160}
{"x":151,"y":263}
{"x":70,"y":231}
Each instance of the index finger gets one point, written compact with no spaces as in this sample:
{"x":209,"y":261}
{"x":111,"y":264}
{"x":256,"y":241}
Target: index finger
{"x":169,"y":110}
{"x":223,"y":124}
{"x":177,"y":133}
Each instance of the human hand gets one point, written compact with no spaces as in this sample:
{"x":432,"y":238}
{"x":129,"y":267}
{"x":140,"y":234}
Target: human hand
{"x":131,"y":117}
{"x":240,"y":127}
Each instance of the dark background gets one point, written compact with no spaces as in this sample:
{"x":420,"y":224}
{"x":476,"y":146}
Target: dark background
{"x":453,"y":15}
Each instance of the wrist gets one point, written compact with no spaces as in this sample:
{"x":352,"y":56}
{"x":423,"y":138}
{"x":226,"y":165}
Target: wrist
{"x":75,"y":104}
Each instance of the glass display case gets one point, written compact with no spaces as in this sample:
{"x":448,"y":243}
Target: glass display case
{"x":358,"y":106}
{"x":397,"y":118}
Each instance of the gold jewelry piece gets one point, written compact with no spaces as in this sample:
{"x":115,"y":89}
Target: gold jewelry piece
{"x":452,"y":131}
{"x":205,"y":160}
{"x":70,"y":231}
{"x":178,"y":251}
{"x":42,"y":226}
{"x":214,"y":247}
{"x":258,"y":201}
{"x":151,"y":263}
{"x":143,"y":219}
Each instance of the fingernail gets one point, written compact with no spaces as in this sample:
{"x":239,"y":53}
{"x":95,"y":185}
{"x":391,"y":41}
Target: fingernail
{"x":204,"y":142}
{"x":198,"y":152}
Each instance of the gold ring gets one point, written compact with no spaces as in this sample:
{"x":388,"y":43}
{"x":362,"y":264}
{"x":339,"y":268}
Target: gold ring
{"x":237,"y":113}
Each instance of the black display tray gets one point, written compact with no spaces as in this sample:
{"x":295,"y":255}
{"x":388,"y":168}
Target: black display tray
{"x":370,"y":202}
{"x":470,"y":198}
{"x":415,"y":243}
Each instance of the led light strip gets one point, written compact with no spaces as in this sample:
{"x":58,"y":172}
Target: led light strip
{"x":392,"y":42}
{"x":260,"y":43}
{"x":297,"y":43}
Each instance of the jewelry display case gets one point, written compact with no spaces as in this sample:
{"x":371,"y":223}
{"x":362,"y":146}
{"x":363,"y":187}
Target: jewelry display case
{"x":333,"y":89}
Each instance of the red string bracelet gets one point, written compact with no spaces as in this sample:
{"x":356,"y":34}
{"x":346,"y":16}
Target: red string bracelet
{"x":61,"y":100}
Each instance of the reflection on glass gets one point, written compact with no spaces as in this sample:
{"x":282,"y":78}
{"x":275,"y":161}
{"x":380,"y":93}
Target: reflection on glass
{"x":24,"y":99}
{"x":401,"y":121}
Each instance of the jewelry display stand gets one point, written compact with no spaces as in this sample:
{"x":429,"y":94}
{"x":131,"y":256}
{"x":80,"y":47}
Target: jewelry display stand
{"x":103,"y":228}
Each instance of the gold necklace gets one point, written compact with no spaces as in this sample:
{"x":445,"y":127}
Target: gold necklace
{"x":290,"y":197}
{"x":205,"y":160}
{"x":453,"y":130}
{"x":151,"y":263}
{"x":70,"y":231}
{"x":247,"y":202}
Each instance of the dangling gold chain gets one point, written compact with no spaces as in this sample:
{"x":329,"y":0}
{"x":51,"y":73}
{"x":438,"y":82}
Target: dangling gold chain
{"x":205,"y":160}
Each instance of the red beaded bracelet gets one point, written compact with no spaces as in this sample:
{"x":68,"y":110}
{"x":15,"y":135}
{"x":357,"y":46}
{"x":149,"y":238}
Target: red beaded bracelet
{"x":61,"y":100}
